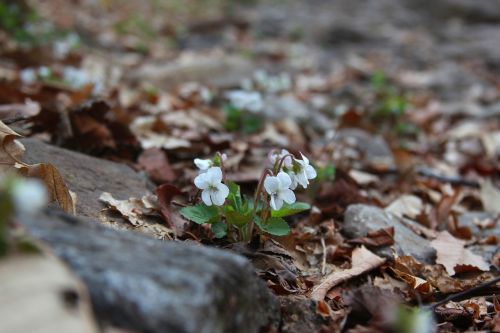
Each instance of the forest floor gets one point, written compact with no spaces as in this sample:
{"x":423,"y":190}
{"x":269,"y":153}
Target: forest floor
{"x":395,"y":103}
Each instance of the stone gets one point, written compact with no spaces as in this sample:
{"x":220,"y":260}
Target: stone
{"x":360,"y":219}
{"x":88,"y":176}
{"x":146,"y":285}
{"x":469,"y":220}
{"x":373,"y":149}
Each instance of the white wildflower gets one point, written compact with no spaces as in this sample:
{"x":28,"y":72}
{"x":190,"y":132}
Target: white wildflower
{"x":278,"y":189}
{"x":203,"y":165}
{"x":246,"y":100}
{"x":275,"y":157}
{"x":29,"y":196}
{"x":28,"y":76}
{"x":214,"y":191}
{"x":302,"y":172}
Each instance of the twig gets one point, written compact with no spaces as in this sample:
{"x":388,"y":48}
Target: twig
{"x":323,"y":262}
{"x":424,"y":172}
{"x":464,"y":294}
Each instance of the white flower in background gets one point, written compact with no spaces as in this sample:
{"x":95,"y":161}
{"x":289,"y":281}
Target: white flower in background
{"x":214,"y":192}
{"x":28,"y":76}
{"x":278,"y":189}
{"x":274,"y":157}
{"x":75,"y":77}
{"x":304,"y":171}
{"x":29,"y":196}
{"x":44,"y":72}
{"x":246,"y":100}
{"x":203,"y":165}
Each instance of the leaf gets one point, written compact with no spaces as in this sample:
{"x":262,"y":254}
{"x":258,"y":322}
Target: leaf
{"x":11,"y":150}
{"x":234,"y":195}
{"x":490,"y":196}
{"x":132,"y":209}
{"x":362,"y":261}
{"x":381,"y":237}
{"x":219,"y":229}
{"x":274,"y":226}
{"x":452,"y":254}
{"x":200,"y":213}
{"x":292,"y":209}
{"x":10,"y":112}
{"x":237,"y":218}
{"x":54,"y":183}
{"x":406,"y":205}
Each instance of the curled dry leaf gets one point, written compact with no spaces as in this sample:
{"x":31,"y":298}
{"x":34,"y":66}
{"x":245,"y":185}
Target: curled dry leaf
{"x":452,"y":254}
{"x":363,"y":261}
{"x":11,"y":152}
{"x":406,"y":205}
{"x":132,"y":209}
{"x":416,"y":283}
{"x":381,"y":237}
{"x":55,"y":184}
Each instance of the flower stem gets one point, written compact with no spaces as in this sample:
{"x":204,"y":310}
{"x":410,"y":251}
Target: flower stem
{"x":258,"y":191}
{"x":281,"y":161}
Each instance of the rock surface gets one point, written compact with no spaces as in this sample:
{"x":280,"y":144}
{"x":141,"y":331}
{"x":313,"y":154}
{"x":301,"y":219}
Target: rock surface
{"x":361,"y":219}
{"x":88,"y":176}
{"x":146,"y":285}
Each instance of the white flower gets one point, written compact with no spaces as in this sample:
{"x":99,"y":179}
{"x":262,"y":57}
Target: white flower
{"x":28,"y":76}
{"x":29,"y":196}
{"x":278,"y":189}
{"x":214,"y":192}
{"x":246,"y":100}
{"x":274,"y":157}
{"x":304,"y":172}
{"x":203,"y":165}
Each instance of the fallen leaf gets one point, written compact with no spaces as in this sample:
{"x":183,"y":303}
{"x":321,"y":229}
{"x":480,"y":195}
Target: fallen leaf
{"x":55,"y":184}
{"x":381,"y":237}
{"x":362,"y":261}
{"x":406,"y":205}
{"x":452,"y":254}
{"x":12,"y":112}
{"x":11,"y":150}
{"x":165,"y":194}
{"x":416,"y":283}
{"x":490,"y":196}
{"x":156,"y":165}
{"x":133,"y":209}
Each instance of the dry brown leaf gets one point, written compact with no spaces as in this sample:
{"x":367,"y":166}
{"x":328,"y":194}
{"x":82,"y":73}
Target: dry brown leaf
{"x":406,"y":205}
{"x":416,"y":283}
{"x":452,"y":254}
{"x":363,"y":261}
{"x":54,"y":183}
{"x":133,"y":209}
{"x":19,"y":111}
{"x":11,"y":152}
{"x":490,"y":196}
{"x":381,"y":237}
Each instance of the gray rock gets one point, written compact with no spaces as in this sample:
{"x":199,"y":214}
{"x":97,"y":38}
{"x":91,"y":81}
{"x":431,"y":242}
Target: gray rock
{"x":360,"y":219}
{"x":88,"y":176}
{"x":488,"y":252}
{"x":373,"y":149}
{"x":468,"y":219}
{"x":147,"y":285}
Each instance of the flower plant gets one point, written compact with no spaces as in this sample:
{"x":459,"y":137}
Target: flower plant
{"x":238,"y":216}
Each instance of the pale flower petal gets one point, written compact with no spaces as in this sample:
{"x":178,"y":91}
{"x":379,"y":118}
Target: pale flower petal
{"x":310,"y":172}
{"x":271,"y":184}
{"x":201,"y":181}
{"x":284,"y":179}
{"x":219,"y":196}
{"x":272,"y":203}
{"x":205,"y":196}
{"x":203,"y":165}
{"x":214,"y":175}
{"x":288,"y":196}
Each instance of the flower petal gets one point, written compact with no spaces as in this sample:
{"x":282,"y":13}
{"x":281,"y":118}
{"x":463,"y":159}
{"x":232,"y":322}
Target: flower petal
{"x":220,"y":195}
{"x":278,"y":203}
{"x":214,"y":175}
{"x":205,"y":196}
{"x":285,"y":180}
{"x":310,"y":172}
{"x":201,"y":181}
{"x":288,"y":196}
{"x":305,"y":159}
{"x":271,"y":184}
{"x":272,"y":203}
{"x":202,"y":164}
{"x":293,"y":177}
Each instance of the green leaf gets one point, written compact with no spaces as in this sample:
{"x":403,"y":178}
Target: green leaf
{"x":219,"y":229}
{"x":274,"y":226}
{"x":237,"y":218}
{"x":292,"y":209}
{"x":200,"y":213}
{"x":234,"y":196}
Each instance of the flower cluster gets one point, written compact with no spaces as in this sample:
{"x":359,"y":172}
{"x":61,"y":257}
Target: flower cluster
{"x":224,"y":207}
